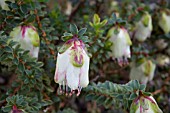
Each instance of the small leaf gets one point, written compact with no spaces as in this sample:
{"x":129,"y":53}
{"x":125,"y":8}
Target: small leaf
{"x":103,"y":22}
{"x":8,"y":49}
{"x":96,"y":19}
{"x":142,"y":87}
{"x":21,"y":67}
{"x":7,"y":108}
{"x":84,"y":39}
{"x":82,"y":31}
{"x":113,"y":16}
{"x":30,"y":18}
{"x":73,"y":29}
{"x":68,"y":34}
{"x":132,"y":96}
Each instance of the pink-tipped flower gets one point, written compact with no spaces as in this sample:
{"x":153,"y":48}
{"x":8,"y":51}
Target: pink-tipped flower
{"x":121,"y":44}
{"x":72,"y":66}
{"x":143,"y":28}
{"x":142,"y":70}
{"x":145,"y":104}
{"x":28,"y":38}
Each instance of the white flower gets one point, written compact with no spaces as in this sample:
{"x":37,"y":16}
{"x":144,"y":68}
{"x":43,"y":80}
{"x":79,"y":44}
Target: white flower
{"x":28,"y":38}
{"x":121,"y":44}
{"x":163,"y":60}
{"x":143,"y":28}
{"x":145,"y":104}
{"x":164,"y":22}
{"x":72,"y":66}
{"x":161,"y":44}
{"x":142,"y":70}
{"x":4,"y":5}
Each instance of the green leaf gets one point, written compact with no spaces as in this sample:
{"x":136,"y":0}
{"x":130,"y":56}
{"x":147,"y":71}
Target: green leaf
{"x":103,"y":22}
{"x":7,"y":108}
{"x":84,"y":39}
{"x":30,"y":18}
{"x":96,"y":19}
{"x":21,"y":67}
{"x":133,"y":96}
{"x":24,"y":9}
{"x":82,"y":31}
{"x":8,"y":49}
{"x":73,"y":29}
{"x":142,"y":87}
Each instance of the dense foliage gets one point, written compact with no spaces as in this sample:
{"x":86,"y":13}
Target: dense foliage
{"x":121,"y":72}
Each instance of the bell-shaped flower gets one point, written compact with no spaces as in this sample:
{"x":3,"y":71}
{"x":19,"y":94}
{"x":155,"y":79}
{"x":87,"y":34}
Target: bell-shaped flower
{"x":164,"y":22}
{"x":143,"y":28}
{"x":121,"y":43}
{"x":28,"y":38}
{"x":145,"y":104}
{"x":163,"y":60}
{"x":142,"y":70}
{"x":4,"y":6}
{"x":72,"y":66}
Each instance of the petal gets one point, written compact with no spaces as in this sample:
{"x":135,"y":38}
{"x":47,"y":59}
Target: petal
{"x":72,"y":76}
{"x":61,"y":66}
{"x":127,"y":52}
{"x":84,"y":77}
{"x":34,"y":52}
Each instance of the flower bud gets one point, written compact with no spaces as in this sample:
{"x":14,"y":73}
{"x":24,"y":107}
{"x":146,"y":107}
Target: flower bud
{"x":161,"y":44}
{"x":72,"y":66}
{"x":168,"y":51}
{"x":142,"y":70}
{"x":145,"y":104}
{"x":162,"y":60}
{"x":28,"y":38}
{"x":121,"y":44}
{"x":4,"y":6}
{"x":143,"y":28}
{"x":164,"y":22}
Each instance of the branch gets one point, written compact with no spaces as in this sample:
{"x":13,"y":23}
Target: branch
{"x":77,"y":7}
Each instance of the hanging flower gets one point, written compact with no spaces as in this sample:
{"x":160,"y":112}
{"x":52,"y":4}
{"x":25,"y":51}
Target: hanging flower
{"x":142,"y":70}
{"x":145,"y":104}
{"x":121,"y":44}
{"x":164,"y":21}
{"x":4,"y":6}
{"x":163,"y":60}
{"x":143,"y":28}
{"x":72,"y":66}
{"x":28,"y":38}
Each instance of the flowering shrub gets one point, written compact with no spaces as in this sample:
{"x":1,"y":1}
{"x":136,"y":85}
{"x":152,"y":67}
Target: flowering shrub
{"x":84,"y":56}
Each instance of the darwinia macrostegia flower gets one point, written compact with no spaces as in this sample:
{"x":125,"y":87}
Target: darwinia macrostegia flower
{"x":28,"y":38}
{"x":121,"y":43}
{"x":72,"y":67}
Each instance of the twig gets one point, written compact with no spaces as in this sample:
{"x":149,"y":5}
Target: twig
{"x":163,"y":87}
{"x":75,"y":10}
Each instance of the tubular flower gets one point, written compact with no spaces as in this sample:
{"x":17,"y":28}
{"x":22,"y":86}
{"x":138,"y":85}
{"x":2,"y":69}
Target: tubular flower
{"x":72,"y":67}
{"x":120,"y":44}
{"x":4,"y":6}
{"x":142,"y":70}
{"x":143,"y":28}
{"x":164,"y":22}
{"x":28,"y":38}
{"x":145,"y":104}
